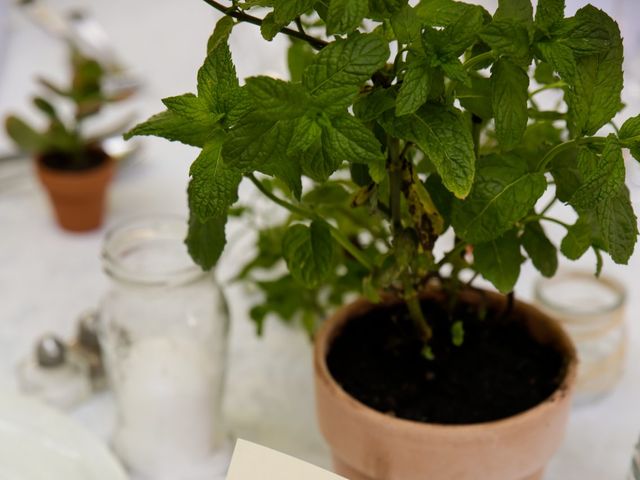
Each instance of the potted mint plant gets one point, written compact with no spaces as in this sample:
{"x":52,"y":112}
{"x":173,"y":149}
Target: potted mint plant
{"x":72,"y":166}
{"x":426,"y":153}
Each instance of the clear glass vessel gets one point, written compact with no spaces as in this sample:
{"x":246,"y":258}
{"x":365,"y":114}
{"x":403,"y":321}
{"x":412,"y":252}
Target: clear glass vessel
{"x":592,"y":310}
{"x":163,"y":331}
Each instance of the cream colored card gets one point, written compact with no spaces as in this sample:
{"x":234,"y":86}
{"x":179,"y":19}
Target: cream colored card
{"x":254,"y":462}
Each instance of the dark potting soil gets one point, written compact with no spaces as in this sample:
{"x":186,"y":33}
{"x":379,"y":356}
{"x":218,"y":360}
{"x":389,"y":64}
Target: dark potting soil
{"x":498,"y":371}
{"x":92,"y":157}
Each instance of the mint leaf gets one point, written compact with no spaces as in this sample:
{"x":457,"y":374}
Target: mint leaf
{"x":269,"y":28}
{"x":217,"y":81}
{"x":617,"y":225}
{"x":504,"y":192}
{"x":441,"y":13}
{"x":383,"y":9}
{"x":454,"y":69}
{"x":286,"y":11}
{"x":560,"y":57}
{"x":602,"y":177}
{"x":206,"y":240}
{"x":542,"y":252}
{"x":175,"y":127}
{"x":299,"y":56}
{"x":462,"y":32}
{"x":509,"y":97}
{"x":588,"y":33}
{"x":305,"y":134}
{"x":342,"y":67}
{"x":221,"y":33}
{"x":594,"y":96}
{"x":415,"y":87}
{"x":370,"y":106}
{"x":347,"y":139}
{"x":345,"y":16}
{"x":285,"y":167}
{"x":508,"y":38}
{"x":445,"y":138}
{"x":276,"y":98}
{"x":406,"y":24}
{"x":308,"y":252}
{"x":214,"y":185}
{"x":549,"y":13}
{"x":577,"y":240}
{"x":630,"y":136}
{"x":499,"y":261}
{"x":519,"y":10}
{"x":477,"y":97}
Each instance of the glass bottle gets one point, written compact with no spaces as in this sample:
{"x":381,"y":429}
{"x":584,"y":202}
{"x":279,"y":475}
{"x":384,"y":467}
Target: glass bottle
{"x":163,"y":331}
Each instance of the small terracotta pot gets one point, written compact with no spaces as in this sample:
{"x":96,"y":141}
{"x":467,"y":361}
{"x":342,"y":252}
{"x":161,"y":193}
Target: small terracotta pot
{"x":369,"y":445}
{"x":78,"y":197}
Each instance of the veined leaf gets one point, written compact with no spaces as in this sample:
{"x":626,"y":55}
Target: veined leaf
{"x":617,"y":225}
{"x":510,"y":39}
{"x":206,"y":240}
{"x":415,"y":87}
{"x":175,"y":127}
{"x":577,"y":240}
{"x":277,"y":99}
{"x":542,"y":252}
{"x":509,"y":96}
{"x":549,"y":13}
{"x":342,"y":67}
{"x":217,"y":80}
{"x":345,"y":16}
{"x":308,"y":252}
{"x":220,"y":33}
{"x":406,"y":24}
{"x":286,"y":11}
{"x":519,"y":10}
{"x":630,"y":136}
{"x":499,"y":260}
{"x":504,"y":192}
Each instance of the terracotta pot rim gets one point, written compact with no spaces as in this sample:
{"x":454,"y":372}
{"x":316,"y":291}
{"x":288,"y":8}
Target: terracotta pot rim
{"x":340,"y":317}
{"x":105,"y":164}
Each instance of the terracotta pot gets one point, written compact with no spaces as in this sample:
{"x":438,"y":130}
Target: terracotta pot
{"x":78,"y":197}
{"x":369,"y":445}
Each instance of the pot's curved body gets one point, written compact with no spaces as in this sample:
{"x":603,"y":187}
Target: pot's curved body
{"x":369,"y":445}
{"x":78,"y":197}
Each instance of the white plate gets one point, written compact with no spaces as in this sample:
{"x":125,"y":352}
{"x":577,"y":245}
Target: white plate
{"x":39,"y":443}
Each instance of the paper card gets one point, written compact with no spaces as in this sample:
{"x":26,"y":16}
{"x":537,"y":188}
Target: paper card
{"x":255,"y":462}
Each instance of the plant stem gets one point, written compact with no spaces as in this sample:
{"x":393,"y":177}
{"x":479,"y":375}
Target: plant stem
{"x":416,"y":313}
{"x":335,"y":233}
{"x":555,"y":220}
{"x":395,"y":184}
{"x":551,"y":154}
{"x":547,"y":87}
{"x":473,"y":61}
{"x":241,"y":16}
{"x":549,"y":205}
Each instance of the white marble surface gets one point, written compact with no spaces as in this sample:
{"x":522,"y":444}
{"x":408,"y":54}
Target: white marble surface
{"x":47,"y":277}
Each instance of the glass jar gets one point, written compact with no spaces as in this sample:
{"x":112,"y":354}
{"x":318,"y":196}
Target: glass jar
{"x":163,"y":331}
{"x":592,"y":310}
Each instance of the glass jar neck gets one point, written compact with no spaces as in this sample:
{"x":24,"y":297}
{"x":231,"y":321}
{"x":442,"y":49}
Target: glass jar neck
{"x":150,"y":251}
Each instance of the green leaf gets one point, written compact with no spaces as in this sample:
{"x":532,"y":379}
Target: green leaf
{"x":544,"y":73}
{"x":560,"y":57}
{"x":519,"y":10}
{"x":406,"y":24}
{"x":45,"y":107}
{"x":178,"y":128}
{"x":345,"y":16}
{"x":445,"y":138}
{"x":308,"y":252}
{"x":509,"y":97}
{"x":617,"y":225}
{"x":504,"y":192}
{"x":305,"y":134}
{"x":602,"y":176}
{"x":192,"y":108}
{"x":499,"y":261}
{"x":299,"y":56}
{"x":510,"y":39}
{"x":206,"y":240}
{"x":269,"y":28}
{"x":477,"y":97}
{"x":594,"y":96}
{"x":217,"y":80}
{"x":214,"y":184}
{"x":630,"y":136}
{"x":577,"y":240}
{"x":415,"y":87}
{"x":342,"y":67}
{"x":462,"y":32}
{"x":454,"y":69}
{"x":23,"y":135}
{"x":549,"y":13}
{"x":542,"y":252}
{"x":286,"y":11}
{"x":277,"y":99}
{"x":441,"y":13}
{"x":590,"y":32}
{"x":221,"y":33}
{"x":370,"y":106}
{"x":383,"y":9}
{"x":347,"y":139}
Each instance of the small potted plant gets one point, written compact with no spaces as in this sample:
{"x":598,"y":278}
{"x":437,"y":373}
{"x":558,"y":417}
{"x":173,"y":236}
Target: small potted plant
{"x":72,"y":166}
{"x":426,"y":153}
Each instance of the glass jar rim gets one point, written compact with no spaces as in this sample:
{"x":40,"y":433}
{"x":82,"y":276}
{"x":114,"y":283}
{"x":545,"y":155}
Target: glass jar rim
{"x":613,"y":285}
{"x":137,"y":232}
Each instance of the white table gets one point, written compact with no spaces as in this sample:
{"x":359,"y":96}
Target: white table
{"x":47,"y":277}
